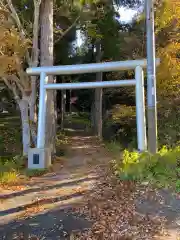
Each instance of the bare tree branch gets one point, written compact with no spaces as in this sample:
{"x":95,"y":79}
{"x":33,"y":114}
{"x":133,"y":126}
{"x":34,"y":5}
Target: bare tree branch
{"x":18,"y":82}
{"x":12,"y":88}
{"x":34,"y":59}
{"x":68,"y":29}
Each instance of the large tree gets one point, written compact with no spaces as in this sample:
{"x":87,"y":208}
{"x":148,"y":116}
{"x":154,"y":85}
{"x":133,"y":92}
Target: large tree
{"x":24,"y":16}
{"x":13,"y":69}
{"x":46,"y":59}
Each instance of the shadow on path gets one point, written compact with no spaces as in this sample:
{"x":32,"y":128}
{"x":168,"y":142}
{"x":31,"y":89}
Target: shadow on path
{"x":52,"y":225}
{"x":42,"y":201}
{"x":51,"y":222}
{"x":45,"y":188}
{"x":164,"y":204}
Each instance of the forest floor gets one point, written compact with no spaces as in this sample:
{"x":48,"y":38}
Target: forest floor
{"x":80,"y":199}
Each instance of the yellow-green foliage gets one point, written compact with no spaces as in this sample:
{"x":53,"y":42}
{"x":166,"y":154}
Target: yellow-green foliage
{"x":168,"y":48}
{"x":122,"y":112}
{"x":13,"y":49}
{"x":160,"y":169}
{"x":61,"y":139}
{"x":10,"y":168}
{"x":9,"y":177}
{"x":168,"y":123}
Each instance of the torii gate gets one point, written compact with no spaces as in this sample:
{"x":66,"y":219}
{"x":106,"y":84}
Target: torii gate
{"x":40,"y":157}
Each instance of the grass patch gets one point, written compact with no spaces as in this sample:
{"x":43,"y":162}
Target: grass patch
{"x":80,"y":118}
{"x":114,"y":147}
{"x":35,"y":172}
{"x":10,"y":138}
{"x":61,"y":143}
{"x":9,"y":178}
{"x":9,"y":163}
{"x":13,"y":167}
{"x":161,"y":169}
{"x":10,"y":168}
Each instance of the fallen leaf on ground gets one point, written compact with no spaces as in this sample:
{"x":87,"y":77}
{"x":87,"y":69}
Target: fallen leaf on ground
{"x":111,"y":206}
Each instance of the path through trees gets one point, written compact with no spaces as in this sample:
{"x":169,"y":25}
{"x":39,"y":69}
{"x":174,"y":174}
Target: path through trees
{"x":47,"y":206}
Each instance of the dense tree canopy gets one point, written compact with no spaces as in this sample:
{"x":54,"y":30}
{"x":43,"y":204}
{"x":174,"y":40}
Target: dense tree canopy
{"x":93,"y":21}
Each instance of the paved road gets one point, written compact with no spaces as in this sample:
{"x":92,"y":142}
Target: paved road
{"x":44,"y":208}
{"x":53,"y":225}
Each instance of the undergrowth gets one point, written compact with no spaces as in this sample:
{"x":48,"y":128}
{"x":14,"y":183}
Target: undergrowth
{"x":82,"y":118}
{"x":61,"y":139}
{"x":12,"y":167}
{"x":35,"y":172}
{"x":161,"y":170}
{"x":9,"y":177}
{"x":114,"y":148}
{"x":61,"y":143}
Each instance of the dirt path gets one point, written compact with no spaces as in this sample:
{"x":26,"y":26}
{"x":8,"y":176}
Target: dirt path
{"x":43,"y":206}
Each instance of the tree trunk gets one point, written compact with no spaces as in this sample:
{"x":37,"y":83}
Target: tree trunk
{"x":63,"y":102}
{"x":23,"y":105}
{"x":34,"y":63}
{"x":98,"y":97}
{"x":47,"y":60}
{"x":93,"y":115}
{"x":33,"y":119}
{"x":70,"y":103}
{"x":33,"y":111}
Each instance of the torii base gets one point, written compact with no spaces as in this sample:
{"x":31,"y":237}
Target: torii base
{"x":39,"y":158}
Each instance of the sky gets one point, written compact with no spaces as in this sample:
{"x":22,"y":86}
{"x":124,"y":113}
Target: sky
{"x":126,"y":15}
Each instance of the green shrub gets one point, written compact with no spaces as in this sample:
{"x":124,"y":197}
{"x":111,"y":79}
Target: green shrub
{"x":178,"y":185}
{"x":124,"y":117}
{"x":35,"y":172}
{"x":10,"y":168}
{"x":10,"y":139}
{"x":61,"y":139}
{"x":120,"y":125}
{"x":168,"y":123}
{"x":160,"y":169}
{"x":10,"y":163}
{"x":81,"y":118}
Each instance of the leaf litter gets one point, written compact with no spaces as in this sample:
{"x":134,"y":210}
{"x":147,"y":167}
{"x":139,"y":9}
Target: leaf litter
{"x":112,"y":208}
